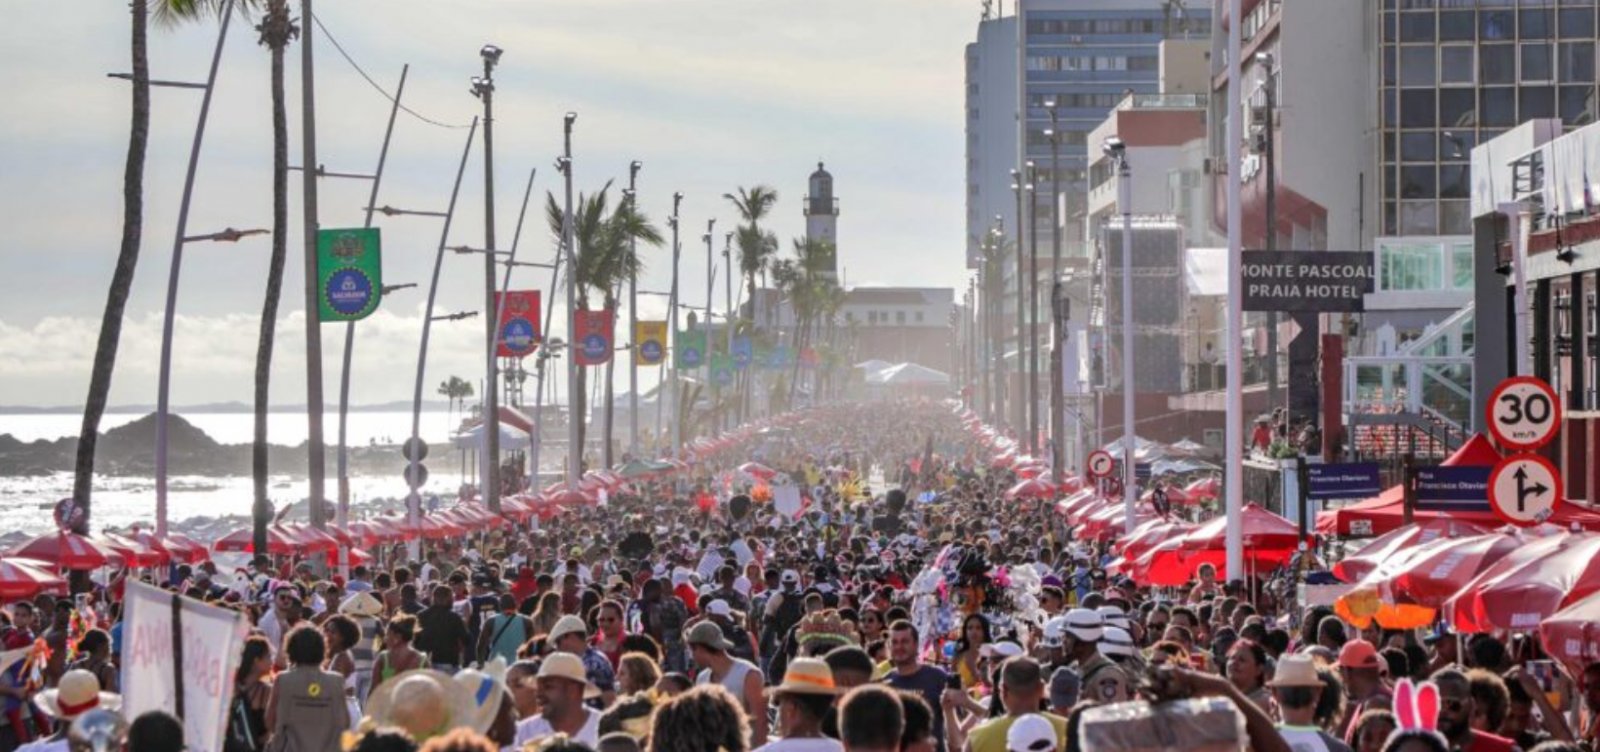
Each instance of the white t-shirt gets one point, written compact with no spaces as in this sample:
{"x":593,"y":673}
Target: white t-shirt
{"x":44,"y":745}
{"x":536,"y":728}
{"x":808,"y":744}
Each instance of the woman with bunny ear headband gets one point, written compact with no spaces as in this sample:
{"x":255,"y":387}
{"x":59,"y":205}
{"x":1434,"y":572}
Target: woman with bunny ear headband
{"x":1417,"y":713}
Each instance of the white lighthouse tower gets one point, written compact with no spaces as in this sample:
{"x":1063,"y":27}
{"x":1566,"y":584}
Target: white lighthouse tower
{"x":822,"y":214}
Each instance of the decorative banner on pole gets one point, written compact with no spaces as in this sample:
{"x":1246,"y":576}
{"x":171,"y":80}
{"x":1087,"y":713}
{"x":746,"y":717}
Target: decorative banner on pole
{"x":349,"y":273}
{"x":1321,"y":281}
{"x":721,"y":369}
{"x":809,"y":358}
{"x":519,"y":325}
{"x":593,"y":336}
{"x":649,"y":342}
{"x":156,"y":627}
{"x":743,"y":352}
{"x":779,"y":358}
{"x":691,"y":349}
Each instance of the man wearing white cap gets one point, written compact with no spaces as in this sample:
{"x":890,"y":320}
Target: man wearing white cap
{"x":571,"y":635}
{"x":562,"y":689}
{"x":1031,"y":733}
{"x":1103,"y":681}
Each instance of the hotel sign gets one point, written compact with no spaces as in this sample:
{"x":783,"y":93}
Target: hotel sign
{"x":1306,"y":281}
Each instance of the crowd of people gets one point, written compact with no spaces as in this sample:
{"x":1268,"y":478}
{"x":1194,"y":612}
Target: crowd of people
{"x":905,"y":606}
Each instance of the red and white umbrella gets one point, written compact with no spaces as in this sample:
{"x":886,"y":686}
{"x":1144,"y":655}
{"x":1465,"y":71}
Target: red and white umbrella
{"x":67,"y":551}
{"x":279,"y":543}
{"x":25,"y":578}
{"x":758,"y":471}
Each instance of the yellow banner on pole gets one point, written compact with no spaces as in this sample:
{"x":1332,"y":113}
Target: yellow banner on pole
{"x":649,"y":342}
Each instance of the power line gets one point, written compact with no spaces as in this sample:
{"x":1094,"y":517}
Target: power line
{"x":380,"y":89}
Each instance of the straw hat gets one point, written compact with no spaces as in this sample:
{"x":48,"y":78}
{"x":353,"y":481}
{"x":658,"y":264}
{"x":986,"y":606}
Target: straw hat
{"x":806,"y":676}
{"x":362,"y":604}
{"x":570,"y":667}
{"x":567,"y":625}
{"x":77,"y":692}
{"x":487,"y":688}
{"x":423,"y":702}
{"x":1295,"y":671}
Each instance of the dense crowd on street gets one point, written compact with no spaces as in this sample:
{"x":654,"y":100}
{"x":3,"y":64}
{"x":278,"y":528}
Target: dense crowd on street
{"x":905,"y":605}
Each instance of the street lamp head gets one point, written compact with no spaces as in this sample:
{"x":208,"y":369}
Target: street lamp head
{"x":1265,"y":59}
{"x":1014,"y":174}
{"x":677,"y":196}
{"x":481,"y":86}
{"x":570,"y":118}
{"x":1113,"y":147}
{"x":1049,"y":132}
{"x":1049,"y":104}
{"x":633,"y":169}
{"x":563,"y":164}
{"x":490,"y":54}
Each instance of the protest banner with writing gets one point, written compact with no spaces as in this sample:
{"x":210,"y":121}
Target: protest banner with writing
{"x":210,"y":638}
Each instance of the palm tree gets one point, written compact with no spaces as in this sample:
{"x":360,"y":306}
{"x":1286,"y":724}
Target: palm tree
{"x":166,"y":12}
{"x":455,"y":390}
{"x":756,"y":248}
{"x":276,"y":31}
{"x":809,"y":292}
{"x":604,"y":238}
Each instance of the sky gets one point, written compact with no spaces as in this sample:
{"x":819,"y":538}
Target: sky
{"x":708,"y":94}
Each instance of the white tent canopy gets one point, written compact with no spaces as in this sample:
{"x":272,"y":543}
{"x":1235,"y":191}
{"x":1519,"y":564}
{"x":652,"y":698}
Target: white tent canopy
{"x":907,"y":374}
{"x":510,"y":438}
{"x":873,"y":366}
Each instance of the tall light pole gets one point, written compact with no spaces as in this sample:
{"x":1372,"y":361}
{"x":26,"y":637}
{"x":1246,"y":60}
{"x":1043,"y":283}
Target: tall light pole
{"x":1057,"y":299}
{"x":727,"y":276}
{"x":163,"y":383}
{"x":633,"y":318}
{"x":315,"y":470}
{"x":711,"y":281}
{"x":414,"y":479}
{"x":671,"y":362}
{"x":1019,"y":410}
{"x":1269,"y":174}
{"x":1033,"y":309}
{"x":569,"y":239}
{"x":1233,"y":482}
{"x":1118,"y":152}
{"x":483,"y":89}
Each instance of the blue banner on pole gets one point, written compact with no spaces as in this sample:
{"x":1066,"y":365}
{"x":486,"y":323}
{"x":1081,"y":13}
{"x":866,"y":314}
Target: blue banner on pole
{"x":743,"y":352}
{"x":1353,"y":480}
{"x":1453,"y":489}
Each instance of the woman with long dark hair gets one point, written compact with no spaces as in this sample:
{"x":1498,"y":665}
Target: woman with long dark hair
{"x":247,"y":716}
{"x":975,"y":633}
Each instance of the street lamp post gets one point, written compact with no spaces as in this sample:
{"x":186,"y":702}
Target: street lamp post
{"x":711,"y":280}
{"x":1058,"y":293}
{"x":164,"y":381}
{"x":727,"y":276}
{"x":672,"y":323}
{"x":483,"y":89}
{"x":569,"y":239}
{"x":1233,"y":482}
{"x":633,"y":317}
{"x":1118,"y":151}
{"x":1269,"y":169}
{"x":413,"y":480}
{"x":1033,"y":309}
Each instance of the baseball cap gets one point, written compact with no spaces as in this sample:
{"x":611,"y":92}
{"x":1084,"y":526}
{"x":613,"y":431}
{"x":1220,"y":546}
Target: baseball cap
{"x":719,"y":607}
{"x":708,"y":634}
{"x":791,"y":577}
{"x":1001,"y":650}
{"x":1359,"y":654}
{"x":1031,"y":733}
{"x":1085,"y":624}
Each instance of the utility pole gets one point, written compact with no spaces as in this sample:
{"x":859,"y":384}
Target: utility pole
{"x":308,"y":138}
{"x":1233,"y":482}
{"x":727,"y":274}
{"x":483,"y":88}
{"x":574,"y":389}
{"x":672,"y":323}
{"x":633,"y":320}
{"x":1033,"y":310}
{"x":1058,"y":300}
{"x":711,"y":279}
{"x":1271,"y":185}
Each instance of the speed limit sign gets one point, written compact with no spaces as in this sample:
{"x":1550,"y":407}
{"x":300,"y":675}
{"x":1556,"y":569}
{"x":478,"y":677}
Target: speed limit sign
{"x":1524,"y":413}
{"x":1100,"y":463}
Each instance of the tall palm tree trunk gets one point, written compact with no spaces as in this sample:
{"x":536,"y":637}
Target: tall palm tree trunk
{"x":275,"y":33}
{"x":105,"y":352}
{"x":610,"y":394}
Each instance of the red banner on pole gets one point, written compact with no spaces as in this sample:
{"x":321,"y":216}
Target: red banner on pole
{"x":519,"y":323}
{"x":594,"y":337}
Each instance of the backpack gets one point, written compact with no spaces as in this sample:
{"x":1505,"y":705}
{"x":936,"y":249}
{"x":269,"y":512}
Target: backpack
{"x":737,"y":635}
{"x":790,"y":611}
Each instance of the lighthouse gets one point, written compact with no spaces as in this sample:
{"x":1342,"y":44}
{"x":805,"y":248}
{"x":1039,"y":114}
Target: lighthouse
{"x":822,"y":215}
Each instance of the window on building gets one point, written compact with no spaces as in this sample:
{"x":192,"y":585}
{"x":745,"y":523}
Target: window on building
{"x":1417,"y":26}
{"x":1457,"y":26}
{"x":1410,"y":266}
{"x":1419,"y":217}
{"x":1576,"y":62}
{"x":1497,"y":24}
{"x":1417,"y":66}
{"x":1418,"y":181}
{"x":1458,"y":65}
{"x":1418,"y":146}
{"x":1577,"y":23}
{"x":1537,"y":23}
{"x":1497,"y":107}
{"x":1390,"y":75}
{"x":1418,"y":108}
{"x":1537,"y":102}
{"x":919,"y":317}
{"x":1461,"y":266}
{"x":1455,"y":146}
{"x":1577,"y":105}
{"x":1454,"y":181}
{"x":1497,"y":64}
{"x":1458,"y":108}
{"x":1455,"y":217}
{"x":900,"y":317}
{"x":1536,"y":63}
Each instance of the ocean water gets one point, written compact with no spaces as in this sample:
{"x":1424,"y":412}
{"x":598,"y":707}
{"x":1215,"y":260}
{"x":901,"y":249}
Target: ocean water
{"x":290,"y":429}
{"x":119,"y":502}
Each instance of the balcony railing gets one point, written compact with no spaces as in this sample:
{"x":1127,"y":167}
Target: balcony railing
{"x":1163,"y":102}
